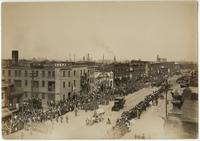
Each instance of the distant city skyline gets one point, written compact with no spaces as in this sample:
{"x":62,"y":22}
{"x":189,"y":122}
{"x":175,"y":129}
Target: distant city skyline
{"x":127,"y":30}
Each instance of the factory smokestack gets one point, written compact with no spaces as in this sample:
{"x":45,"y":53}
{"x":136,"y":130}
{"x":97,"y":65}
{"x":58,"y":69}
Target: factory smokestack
{"x":88,"y":57}
{"x":15,"y":57}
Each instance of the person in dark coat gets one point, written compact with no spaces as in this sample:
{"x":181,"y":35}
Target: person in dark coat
{"x":67,"y":119}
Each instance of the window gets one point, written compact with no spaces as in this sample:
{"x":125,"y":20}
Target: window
{"x":53,"y":73}
{"x":81,"y":72}
{"x":9,"y":72}
{"x":9,"y":80}
{"x":25,"y":73}
{"x":51,"y":85}
{"x":63,"y":97}
{"x":69,"y":94}
{"x":15,"y":72}
{"x":43,"y":95}
{"x":74,"y":72}
{"x":69,"y":84}
{"x":49,"y":74}
{"x":43,"y":83}
{"x":68,"y":73}
{"x":74,"y":82}
{"x":26,"y":82}
{"x":43,"y":73}
{"x":88,"y":71}
{"x":84,"y":71}
{"x":64,"y":84}
{"x":36,"y":73}
{"x":63,"y":73}
{"x":19,"y":73}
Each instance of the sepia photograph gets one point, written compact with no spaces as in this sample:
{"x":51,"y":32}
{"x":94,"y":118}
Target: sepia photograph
{"x":99,"y":70}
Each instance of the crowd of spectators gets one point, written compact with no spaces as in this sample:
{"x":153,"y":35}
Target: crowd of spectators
{"x":32,"y":111}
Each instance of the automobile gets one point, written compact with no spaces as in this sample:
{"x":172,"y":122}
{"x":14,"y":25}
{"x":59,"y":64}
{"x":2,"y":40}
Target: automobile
{"x":157,"y":83}
{"x":118,"y":103}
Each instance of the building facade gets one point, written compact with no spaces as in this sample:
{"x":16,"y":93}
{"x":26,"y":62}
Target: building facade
{"x":47,"y":83}
{"x":47,"y":80}
{"x":121,"y":73}
{"x":138,"y":69}
{"x":130,"y":72}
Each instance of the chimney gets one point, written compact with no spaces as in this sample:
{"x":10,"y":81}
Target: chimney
{"x":158,"y":59}
{"x":15,"y":59}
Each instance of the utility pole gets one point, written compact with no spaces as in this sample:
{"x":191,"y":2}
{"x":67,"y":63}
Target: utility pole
{"x":166,"y":101}
{"x":32,"y":75}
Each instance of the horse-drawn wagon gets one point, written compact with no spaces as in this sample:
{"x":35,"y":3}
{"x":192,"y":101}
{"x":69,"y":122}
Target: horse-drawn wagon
{"x":96,"y":118}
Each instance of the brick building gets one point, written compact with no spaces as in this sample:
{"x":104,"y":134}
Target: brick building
{"x":121,"y":73}
{"x":138,"y":69}
{"x":161,"y":68}
{"x":130,"y":71}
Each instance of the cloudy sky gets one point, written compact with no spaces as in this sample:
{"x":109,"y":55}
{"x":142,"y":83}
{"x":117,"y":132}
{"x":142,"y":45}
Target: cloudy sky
{"x":127,"y":30}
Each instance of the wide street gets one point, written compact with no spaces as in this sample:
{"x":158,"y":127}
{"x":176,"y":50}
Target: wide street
{"x":150,"y":123}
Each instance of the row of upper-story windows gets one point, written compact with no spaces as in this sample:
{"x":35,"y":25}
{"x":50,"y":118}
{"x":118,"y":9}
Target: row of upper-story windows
{"x":68,"y":73}
{"x":69,"y":84}
{"x":26,"y":73}
{"x":35,"y":84}
{"x":42,"y":73}
{"x":43,"y":83}
{"x":26,"y":82}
